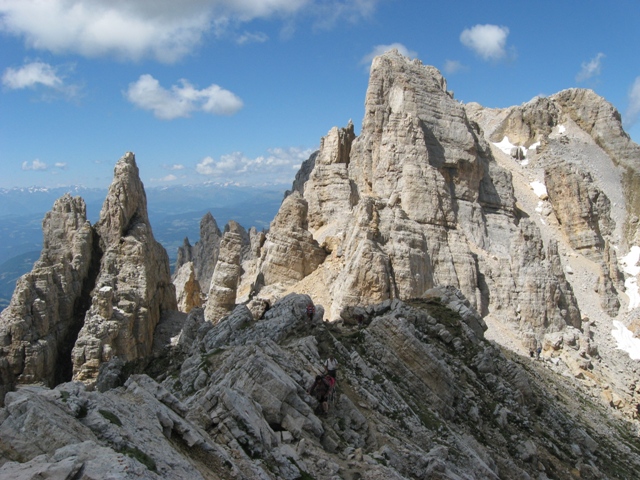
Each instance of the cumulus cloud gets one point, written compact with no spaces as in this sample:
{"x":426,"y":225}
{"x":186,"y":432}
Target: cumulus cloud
{"x":487,"y":41}
{"x":453,"y":66}
{"x":177,"y":166}
{"x":162,"y":29}
{"x":276,"y":166}
{"x":42,"y":77}
{"x":34,"y":165}
{"x":181,"y":100}
{"x":591,"y":68}
{"x":380,"y":49}
{"x":633,"y":110}
{"x":60,"y":165}
{"x":31,"y":75}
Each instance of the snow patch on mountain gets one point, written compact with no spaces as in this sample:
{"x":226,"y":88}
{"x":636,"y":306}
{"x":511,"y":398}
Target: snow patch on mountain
{"x":631,"y":265}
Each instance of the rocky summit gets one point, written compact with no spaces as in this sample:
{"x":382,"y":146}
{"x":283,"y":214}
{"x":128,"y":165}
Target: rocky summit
{"x":474,"y":271}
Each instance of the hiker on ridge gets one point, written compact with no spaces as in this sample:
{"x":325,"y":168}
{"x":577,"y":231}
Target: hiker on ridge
{"x":331,"y":366}
{"x":311,"y":310}
{"x":321,"y":389}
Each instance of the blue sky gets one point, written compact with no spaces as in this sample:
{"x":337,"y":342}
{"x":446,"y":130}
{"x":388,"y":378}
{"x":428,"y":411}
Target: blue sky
{"x":242,"y":91}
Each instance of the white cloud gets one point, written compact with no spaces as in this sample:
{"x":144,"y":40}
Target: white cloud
{"x":249,"y":37}
{"x":45,"y":78}
{"x":167,"y":178}
{"x":35,"y":165}
{"x":633,"y":110}
{"x":30,"y":75}
{"x":177,"y":166}
{"x":487,"y":41}
{"x":380,"y":49}
{"x":181,"y":100}
{"x":591,"y":68}
{"x":60,"y":165}
{"x":276,"y":166}
{"x":453,"y":66}
{"x":166,"y":30}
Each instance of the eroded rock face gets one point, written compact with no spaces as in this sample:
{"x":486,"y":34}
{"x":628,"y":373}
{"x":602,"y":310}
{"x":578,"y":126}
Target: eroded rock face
{"x":418,"y":200}
{"x":188,"y":292}
{"x":290,"y":252}
{"x":38,"y":328}
{"x":575,"y":139}
{"x":134,"y":284}
{"x":226,"y":276}
{"x":417,"y":381}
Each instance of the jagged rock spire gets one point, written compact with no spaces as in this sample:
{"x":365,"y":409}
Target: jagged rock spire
{"x":38,"y":328}
{"x":134,"y":284}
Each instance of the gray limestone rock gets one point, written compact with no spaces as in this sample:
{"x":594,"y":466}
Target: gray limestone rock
{"x":134,"y":285}
{"x":226,"y":276}
{"x":41,"y":323}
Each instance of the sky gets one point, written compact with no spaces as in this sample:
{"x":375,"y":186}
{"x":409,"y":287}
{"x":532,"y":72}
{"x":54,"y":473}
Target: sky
{"x":242,"y":91}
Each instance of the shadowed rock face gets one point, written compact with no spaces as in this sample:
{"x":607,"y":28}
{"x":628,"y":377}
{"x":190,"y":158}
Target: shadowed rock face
{"x":204,"y":254}
{"x":40,"y":325}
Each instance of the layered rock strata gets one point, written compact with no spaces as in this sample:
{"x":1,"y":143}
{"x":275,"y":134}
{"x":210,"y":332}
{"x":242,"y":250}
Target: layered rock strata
{"x":578,"y":150}
{"x":421,"y":394}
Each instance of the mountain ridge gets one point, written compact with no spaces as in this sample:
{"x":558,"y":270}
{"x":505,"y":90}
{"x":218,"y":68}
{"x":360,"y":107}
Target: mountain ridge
{"x":425,"y":251}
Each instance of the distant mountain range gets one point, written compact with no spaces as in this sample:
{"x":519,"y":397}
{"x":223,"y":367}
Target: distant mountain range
{"x":174,"y":213}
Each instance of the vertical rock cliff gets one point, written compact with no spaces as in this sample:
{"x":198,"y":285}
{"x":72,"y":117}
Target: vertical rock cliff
{"x":418,"y":200}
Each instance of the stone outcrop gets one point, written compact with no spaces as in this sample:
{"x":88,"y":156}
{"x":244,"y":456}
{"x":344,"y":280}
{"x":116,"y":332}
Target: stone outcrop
{"x":40,"y":325}
{"x":188,"y":294}
{"x":134,"y":285}
{"x":290,"y":252}
{"x":418,"y":200}
{"x":226,"y":276}
{"x":578,"y":144}
{"x":204,"y":254}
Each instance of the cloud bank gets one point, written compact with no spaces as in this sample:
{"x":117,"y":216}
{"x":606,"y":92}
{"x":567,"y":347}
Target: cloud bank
{"x":487,"y":41}
{"x":180,"y":100}
{"x":166,"y":30}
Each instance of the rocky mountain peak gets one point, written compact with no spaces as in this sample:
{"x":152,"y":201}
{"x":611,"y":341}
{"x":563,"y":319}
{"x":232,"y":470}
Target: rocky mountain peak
{"x":465,"y":266}
{"x":125,"y":207}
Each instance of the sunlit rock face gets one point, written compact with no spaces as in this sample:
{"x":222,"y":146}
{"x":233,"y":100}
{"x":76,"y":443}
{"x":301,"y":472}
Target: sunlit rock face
{"x":418,"y":200}
{"x":226,"y":275}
